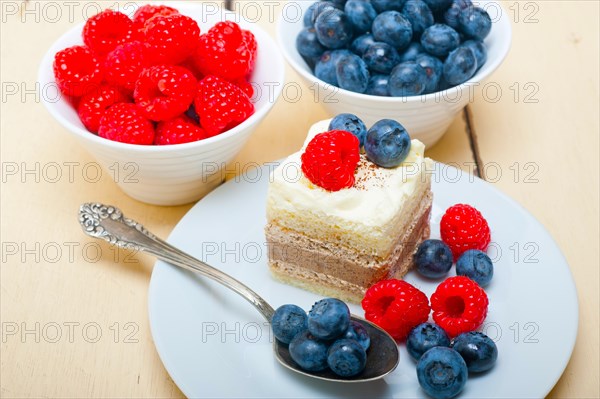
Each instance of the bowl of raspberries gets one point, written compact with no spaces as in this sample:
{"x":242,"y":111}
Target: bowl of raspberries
{"x":166,"y":96}
{"x":420,"y":61}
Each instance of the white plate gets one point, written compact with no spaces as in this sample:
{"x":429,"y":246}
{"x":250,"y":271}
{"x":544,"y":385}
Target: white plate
{"x":214,"y":344}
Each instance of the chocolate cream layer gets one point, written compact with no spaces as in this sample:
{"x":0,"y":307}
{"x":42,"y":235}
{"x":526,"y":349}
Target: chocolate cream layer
{"x":331,"y":270}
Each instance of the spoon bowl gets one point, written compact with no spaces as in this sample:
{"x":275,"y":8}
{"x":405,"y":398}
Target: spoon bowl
{"x":108,"y":223}
{"x":382,"y":357}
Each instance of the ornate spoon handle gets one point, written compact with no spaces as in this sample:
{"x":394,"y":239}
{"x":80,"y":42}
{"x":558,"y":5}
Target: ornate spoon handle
{"x":108,"y":223}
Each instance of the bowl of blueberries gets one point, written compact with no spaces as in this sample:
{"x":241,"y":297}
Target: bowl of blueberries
{"x":418,"y":61}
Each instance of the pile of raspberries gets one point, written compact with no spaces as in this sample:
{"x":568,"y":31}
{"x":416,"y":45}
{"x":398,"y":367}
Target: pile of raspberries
{"x":155,"y":79}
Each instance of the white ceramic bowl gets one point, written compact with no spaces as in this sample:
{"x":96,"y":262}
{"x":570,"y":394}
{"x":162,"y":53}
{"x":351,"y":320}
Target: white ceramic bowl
{"x":177,"y":174}
{"x":425,"y":117}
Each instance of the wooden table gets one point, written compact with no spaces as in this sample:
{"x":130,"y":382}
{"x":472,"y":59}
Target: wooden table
{"x":74,"y":321}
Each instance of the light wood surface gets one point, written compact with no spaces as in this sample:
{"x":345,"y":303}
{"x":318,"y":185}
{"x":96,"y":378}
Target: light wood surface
{"x":45,"y":286}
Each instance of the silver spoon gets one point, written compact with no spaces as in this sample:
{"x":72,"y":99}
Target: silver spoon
{"x":108,"y":223}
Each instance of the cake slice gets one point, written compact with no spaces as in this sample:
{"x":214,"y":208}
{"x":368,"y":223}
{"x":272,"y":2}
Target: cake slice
{"x":339,"y":243}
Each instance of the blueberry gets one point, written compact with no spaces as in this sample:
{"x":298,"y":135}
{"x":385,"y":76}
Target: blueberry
{"x":325,"y":66}
{"x":381,"y":57}
{"x":433,"y":68}
{"x":387,"y":5}
{"x":433,"y":259}
{"x":328,"y":318}
{"x":419,"y":15}
{"x":450,"y":17}
{"x":334,"y":29}
{"x":460,"y":65}
{"x":479,"y":49}
{"x":424,"y":337}
{"x":361,"y":43}
{"x":315,"y":10}
{"x":288,"y":321}
{"x":476,"y":265}
{"x":307,"y":43}
{"x":378,"y":85}
{"x":352,"y":73}
{"x":442,"y":372}
{"x":358,"y":332}
{"x":392,"y":28}
{"x":439,"y":40}
{"x":407,"y":79}
{"x":309,"y":352}
{"x":309,"y":15}
{"x":474,"y":22}
{"x":346,"y":358}
{"x":411,"y":52}
{"x":361,"y":14}
{"x":438,"y":5}
{"x":350,"y":123}
{"x":477,"y":349}
{"x":387,"y":144}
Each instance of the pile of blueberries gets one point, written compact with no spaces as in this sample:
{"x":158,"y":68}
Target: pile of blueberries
{"x":394,"y":47}
{"x":433,"y":259}
{"x":443,"y":366}
{"x":326,"y":337}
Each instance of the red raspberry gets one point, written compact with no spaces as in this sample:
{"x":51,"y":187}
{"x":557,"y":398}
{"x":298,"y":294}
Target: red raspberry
{"x":93,"y":106}
{"x":245,"y":86}
{"x":124,"y":64}
{"x":252,"y":45}
{"x":396,"y":306}
{"x":224,"y":52}
{"x":126,"y":123}
{"x":144,"y":13}
{"x":105,"y":31}
{"x":221,"y":105}
{"x":77,"y":71}
{"x":173,"y":38}
{"x":459,"y":305}
{"x":462,"y":228}
{"x":330,"y":160}
{"x":178,"y":131}
{"x":164,"y":92}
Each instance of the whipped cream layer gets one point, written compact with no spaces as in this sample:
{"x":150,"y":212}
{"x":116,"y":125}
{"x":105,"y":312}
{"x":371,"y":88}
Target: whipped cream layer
{"x":367,"y":217}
